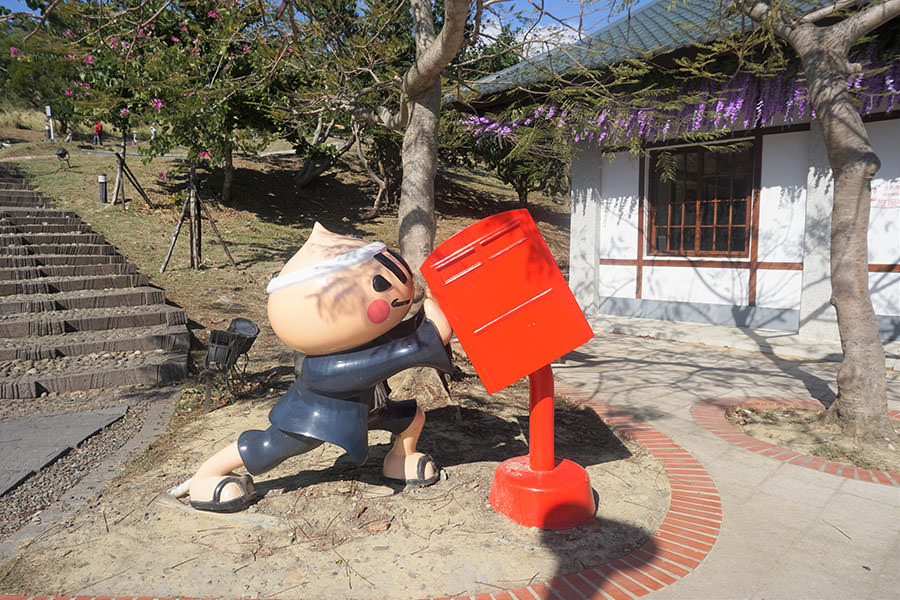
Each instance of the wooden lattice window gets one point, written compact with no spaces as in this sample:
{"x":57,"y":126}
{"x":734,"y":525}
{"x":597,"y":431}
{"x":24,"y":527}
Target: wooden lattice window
{"x":705,"y":209}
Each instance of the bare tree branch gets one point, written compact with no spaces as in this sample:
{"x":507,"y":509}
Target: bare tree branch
{"x":867,"y":19}
{"x":43,"y":20}
{"x":760,"y":10}
{"x":440,"y":51}
{"x":821,"y":13}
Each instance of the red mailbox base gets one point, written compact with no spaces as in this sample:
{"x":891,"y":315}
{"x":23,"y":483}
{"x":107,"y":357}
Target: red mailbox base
{"x":555,"y":499}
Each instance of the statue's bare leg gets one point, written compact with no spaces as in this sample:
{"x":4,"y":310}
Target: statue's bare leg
{"x":402,"y":460}
{"x":218,"y":466}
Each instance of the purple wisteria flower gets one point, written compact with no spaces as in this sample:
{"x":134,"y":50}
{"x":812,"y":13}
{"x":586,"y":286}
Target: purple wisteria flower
{"x":747,"y":103}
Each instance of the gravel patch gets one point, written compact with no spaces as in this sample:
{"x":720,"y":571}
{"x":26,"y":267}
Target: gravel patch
{"x":36,"y":493}
{"x":22,"y":505}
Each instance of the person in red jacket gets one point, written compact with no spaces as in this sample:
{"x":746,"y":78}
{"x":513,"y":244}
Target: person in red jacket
{"x":98,"y":134}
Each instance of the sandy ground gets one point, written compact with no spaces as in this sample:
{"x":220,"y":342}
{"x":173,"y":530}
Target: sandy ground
{"x":327,"y":528}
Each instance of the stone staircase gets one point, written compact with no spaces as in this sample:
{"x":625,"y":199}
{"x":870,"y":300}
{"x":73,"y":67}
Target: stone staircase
{"x":74,"y":314}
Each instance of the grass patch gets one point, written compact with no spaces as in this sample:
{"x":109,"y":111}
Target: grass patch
{"x":13,"y":576}
{"x":22,"y":118}
{"x":836,"y":453}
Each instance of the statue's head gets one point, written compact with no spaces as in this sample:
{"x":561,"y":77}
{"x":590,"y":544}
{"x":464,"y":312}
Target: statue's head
{"x":338,"y":292}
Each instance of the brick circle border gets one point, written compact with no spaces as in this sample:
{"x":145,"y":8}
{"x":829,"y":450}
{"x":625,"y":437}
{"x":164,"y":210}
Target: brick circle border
{"x":685,"y":537}
{"x":710,"y":414}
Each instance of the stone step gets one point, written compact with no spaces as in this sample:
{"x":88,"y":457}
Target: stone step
{"x":7,"y":201}
{"x":17,"y":212}
{"x":126,"y":339}
{"x":44,"y":220}
{"x":89,"y":319}
{"x":29,"y":273}
{"x":70,"y":373}
{"x":33,"y":228}
{"x":69,"y":249}
{"x":19,"y":193}
{"x":75,"y":314}
{"x":52,"y":285}
{"x":40,"y":239}
{"x":35,"y":260}
{"x":14,"y":183}
{"x":82,"y":299}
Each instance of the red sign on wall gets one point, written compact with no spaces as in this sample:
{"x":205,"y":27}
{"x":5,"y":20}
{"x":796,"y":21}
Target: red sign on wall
{"x":886,"y":194}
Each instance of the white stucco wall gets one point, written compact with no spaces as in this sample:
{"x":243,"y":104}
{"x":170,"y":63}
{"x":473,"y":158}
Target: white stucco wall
{"x":619,"y":206}
{"x":885,"y":291}
{"x":687,"y":284}
{"x":584,"y":226}
{"x":782,"y":197}
{"x":778,"y":289}
{"x":616,"y":281}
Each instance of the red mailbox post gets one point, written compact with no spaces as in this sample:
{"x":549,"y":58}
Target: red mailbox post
{"x":514,"y":314}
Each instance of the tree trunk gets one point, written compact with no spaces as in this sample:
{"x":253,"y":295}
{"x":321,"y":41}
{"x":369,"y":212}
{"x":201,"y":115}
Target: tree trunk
{"x":522,"y":193}
{"x":194,"y":228}
{"x":861,"y":404}
{"x":310,"y":170}
{"x":379,"y":181}
{"x":313,"y":167}
{"x":120,"y":176}
{"x":416,"y":222}
{"x":418,"y":155}
{"x":227,"y":173}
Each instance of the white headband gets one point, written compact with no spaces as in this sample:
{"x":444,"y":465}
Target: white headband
{"x":326,"y":267}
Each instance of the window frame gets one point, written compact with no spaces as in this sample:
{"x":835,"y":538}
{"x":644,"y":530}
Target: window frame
{"x":692,"y":181}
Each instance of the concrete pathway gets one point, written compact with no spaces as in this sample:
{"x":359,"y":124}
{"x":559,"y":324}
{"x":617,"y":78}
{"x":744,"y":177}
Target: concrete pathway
{"x":787,"y":531}
{"x":31,"y":443}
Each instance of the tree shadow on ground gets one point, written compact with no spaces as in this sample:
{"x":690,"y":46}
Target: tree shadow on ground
{"x":458,"y":435}
{"x":454,"y":198}
{"x":266,"y":188}
{"x":14,"y":140}
{"x":340,"y":197}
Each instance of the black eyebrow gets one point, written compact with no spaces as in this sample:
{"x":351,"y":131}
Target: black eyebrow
{"x":392,"y":266}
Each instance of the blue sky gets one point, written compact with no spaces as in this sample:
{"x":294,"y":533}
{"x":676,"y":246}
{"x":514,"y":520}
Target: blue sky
{"x":12,"y":5}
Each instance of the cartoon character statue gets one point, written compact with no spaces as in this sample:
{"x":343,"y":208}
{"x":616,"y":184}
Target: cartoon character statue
{"x":342,"y":303}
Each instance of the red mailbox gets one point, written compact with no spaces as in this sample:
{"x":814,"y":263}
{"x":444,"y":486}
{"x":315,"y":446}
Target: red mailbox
{"x":509,"y":305}
{"x":513,"y":313}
